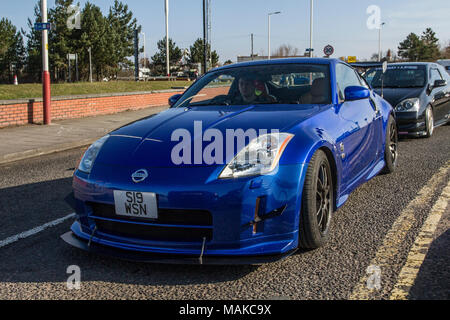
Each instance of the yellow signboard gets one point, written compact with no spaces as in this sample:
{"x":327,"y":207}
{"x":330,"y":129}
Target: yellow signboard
{"x":351,"y":59}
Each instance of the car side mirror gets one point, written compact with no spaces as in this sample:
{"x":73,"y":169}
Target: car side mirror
{"x":439,"y":83}
{"x":353,"y":93}
{"x":173,"y":99}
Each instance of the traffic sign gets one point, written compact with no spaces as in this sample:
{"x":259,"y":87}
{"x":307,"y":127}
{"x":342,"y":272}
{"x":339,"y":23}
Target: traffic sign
{"x":351,"y":59}
{"x":328,"y":50}
{"x":39,"y":26}
{"x":385,"y":65}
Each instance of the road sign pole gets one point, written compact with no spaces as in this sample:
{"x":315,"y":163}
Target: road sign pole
{"x":69,"y":73}
{"x":76,"y":66}
{"x":46,"y":93}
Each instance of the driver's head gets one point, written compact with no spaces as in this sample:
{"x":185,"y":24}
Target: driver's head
{"x":246,"y":87}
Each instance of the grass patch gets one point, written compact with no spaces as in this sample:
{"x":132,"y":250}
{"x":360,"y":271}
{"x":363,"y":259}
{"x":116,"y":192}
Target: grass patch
{"x":29,"y":91}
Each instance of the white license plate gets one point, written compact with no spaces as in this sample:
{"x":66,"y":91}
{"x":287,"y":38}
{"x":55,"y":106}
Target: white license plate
{"x":136,"y":204}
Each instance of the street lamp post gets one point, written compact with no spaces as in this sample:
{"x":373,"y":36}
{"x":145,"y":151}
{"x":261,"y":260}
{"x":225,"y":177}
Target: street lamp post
{"x":143,"y":64}
{"x":379,"y":41}
{"x":90,"y":64}
{"x":268,"y":17}
{"x":46,"y":95}
{"x":311,"y":30}
{"x":167,"y":38}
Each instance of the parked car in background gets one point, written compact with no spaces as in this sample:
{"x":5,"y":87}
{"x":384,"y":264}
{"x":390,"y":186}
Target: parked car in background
{"x":446,"y":64}
{"x":419,"y":93}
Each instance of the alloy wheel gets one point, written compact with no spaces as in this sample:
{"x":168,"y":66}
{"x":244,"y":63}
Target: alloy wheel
{"x":323,"y":198}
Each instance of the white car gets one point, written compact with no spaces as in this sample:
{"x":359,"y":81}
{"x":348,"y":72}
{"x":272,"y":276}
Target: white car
{"x":446,"y":64}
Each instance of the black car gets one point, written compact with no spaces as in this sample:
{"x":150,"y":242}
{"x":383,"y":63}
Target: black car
{"x":419,"y":93}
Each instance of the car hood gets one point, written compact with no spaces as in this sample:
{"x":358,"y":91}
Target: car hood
{"x":148,"y":142}
{"x":396,"y":95}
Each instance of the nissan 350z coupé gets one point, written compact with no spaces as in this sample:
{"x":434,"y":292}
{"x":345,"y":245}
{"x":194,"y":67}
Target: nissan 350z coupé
{"x":246,"y":166}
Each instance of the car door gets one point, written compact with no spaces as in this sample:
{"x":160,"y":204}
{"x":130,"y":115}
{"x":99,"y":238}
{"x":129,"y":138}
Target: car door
{"x":439,"y":96}
{"x":446,"y":91}
{"x":359,"y":142}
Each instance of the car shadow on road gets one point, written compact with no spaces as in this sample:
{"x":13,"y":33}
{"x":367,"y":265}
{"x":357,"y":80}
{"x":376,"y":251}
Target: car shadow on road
{"x":45,"y":257}
{"x":433,"y":280}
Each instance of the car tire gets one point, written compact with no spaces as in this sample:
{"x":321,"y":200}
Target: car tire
{"x":391,"y":147}
{"x":317,"y":203}
{"x":429,"y":122}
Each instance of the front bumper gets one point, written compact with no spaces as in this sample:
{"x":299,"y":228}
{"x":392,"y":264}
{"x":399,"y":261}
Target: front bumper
{"x":234,"y":205}
{"x":411,"y":123}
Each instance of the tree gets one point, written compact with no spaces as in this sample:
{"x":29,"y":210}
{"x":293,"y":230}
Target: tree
{"x":197,"y":50}
{"x":159,"y":59}
{"x":410,"y":48}
{"x":62,"y":40}
{"x":12,"y":51}
{"x":33,"y":64}
{"x":445,"y":53}
{"x":96,"y":34}
{"x":122,"y":27}
{"x":430,"y":46}
{"x":425,"y":48}
{"x":285,"y":50}
{"x":227,"y":62}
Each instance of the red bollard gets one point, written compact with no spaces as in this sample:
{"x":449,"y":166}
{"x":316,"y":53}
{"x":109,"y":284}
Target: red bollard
{"x":46,"y":94}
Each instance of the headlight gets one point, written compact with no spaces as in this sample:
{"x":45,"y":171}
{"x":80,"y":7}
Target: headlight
{"x":91,"y":153}
{"x":260,"y":157}
{"x":408,"y":105}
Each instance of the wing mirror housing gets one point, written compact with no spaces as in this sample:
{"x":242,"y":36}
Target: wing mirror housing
{"x":353,"y":93}
{"x":173,"y":99}
{"x":439,"y":83}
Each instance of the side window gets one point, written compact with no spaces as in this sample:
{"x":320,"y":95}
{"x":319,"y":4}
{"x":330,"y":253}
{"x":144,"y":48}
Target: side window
{"x":345,"y":77}
{"x":443,"y":72}
{"x":362,"y":81}
{"x":434,"y":75}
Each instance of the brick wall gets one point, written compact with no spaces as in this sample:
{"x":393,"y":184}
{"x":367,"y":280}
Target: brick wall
{"x":31,"y":111}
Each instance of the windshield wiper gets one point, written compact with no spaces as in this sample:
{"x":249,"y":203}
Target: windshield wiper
{"x":210,"y":104}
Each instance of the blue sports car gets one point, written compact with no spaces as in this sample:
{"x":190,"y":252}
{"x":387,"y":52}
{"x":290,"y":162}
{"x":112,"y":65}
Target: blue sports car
{"x":245,"y":167}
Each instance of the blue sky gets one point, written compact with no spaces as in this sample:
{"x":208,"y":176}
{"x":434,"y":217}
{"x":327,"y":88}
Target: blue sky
{"x":339,"y":23}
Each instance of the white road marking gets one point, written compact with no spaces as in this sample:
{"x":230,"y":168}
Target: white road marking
{"x":34,"y":231}
{"x":386,"y":255}
{"x":420,"y":248}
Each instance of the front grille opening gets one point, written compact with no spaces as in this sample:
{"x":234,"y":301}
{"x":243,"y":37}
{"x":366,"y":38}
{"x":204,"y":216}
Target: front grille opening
{"x":131,"y":227}
{"x":157,"y":233}
{"x":165,"y":216}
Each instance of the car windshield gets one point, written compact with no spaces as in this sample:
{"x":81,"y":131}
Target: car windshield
{"x":397,"y":77}
{"x":265,"y":84}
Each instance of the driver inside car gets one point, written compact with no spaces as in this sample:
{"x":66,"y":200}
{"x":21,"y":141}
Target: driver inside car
{"x":253,"y":91}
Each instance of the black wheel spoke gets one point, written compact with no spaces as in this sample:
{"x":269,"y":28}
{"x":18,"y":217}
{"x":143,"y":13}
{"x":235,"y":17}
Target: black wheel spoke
{"x":323,"y":197}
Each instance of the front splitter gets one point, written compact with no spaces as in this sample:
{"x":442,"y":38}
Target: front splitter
{"x":147,"y":257}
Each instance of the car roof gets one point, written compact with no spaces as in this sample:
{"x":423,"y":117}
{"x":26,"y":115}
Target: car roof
{"x":413,"y":64}
{"x":281,"y":61}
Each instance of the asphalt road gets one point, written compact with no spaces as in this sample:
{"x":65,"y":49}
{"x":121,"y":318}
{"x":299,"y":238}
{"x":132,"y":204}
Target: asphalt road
{"x":32,"y":193}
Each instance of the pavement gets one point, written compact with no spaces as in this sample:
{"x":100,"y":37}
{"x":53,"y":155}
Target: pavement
{"x":22,"y":142}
